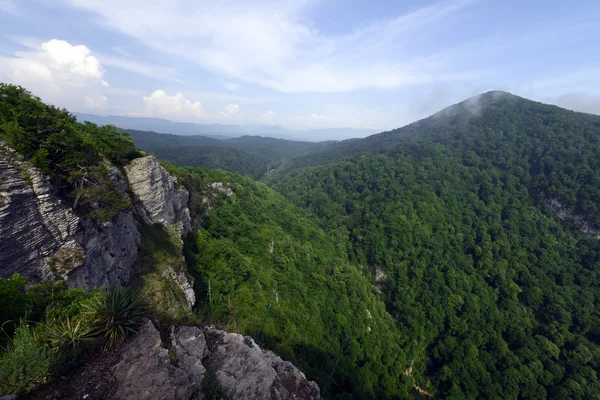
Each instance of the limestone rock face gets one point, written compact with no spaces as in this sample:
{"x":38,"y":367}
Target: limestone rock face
{"x":159,"y":200}
{"x":568,"y":215}
{"x":151,"y":368}
{"x":34,"y":224}
{"x":110,"y":250}
{"x":146,"y":370}
{"x":248,"y":372}
{"x":43,"y":238}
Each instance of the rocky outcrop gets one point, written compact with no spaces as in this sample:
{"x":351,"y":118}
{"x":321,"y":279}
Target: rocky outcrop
{"x":176,"y":367}
{"x":110,"y":250}
{"x":158,"y":199}
{"x":248,"y":372}
{"x":34,"y":224}
{"x":42,"y":238}
{"x":182,"y":363}
{"x":149,"y":371}
{"x":568,"y":215}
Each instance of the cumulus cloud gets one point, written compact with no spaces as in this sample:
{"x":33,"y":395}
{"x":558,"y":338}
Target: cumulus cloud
{"x":161,"y":105}
{"x":59,"y":72}
{"x":268,"y":117}
{"x":231,"y":111}
{"x":268,"y":42}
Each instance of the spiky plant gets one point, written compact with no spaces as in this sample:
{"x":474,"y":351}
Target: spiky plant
{"x":118,"y":311}
{"x":67,"y":333}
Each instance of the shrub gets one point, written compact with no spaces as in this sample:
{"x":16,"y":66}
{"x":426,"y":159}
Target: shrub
{"x":14,"y":304}
{"x":67,"y":334}
{"x":117,"y":312}
{"x":27,"y":363}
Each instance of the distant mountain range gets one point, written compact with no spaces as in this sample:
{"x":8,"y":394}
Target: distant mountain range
{"x":223,"y":131}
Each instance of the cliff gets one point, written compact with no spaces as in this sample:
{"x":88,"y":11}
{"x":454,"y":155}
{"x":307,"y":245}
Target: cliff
{"x":180,"y":363}
{"x":41,"y":237}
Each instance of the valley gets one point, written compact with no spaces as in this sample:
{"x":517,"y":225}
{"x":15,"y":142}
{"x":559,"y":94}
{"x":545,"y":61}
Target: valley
{"x":461,"y":248}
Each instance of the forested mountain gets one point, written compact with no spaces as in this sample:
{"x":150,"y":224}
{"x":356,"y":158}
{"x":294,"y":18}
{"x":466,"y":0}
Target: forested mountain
{"x":498,"y":297}
{"x":432,"y":257}
{"x":252,"y":156}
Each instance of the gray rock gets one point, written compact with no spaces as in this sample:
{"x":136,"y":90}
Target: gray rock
{"x":181,"y":279}
{"x":110,"y":250}
{"x":146,"y":371}
{"x":247,"y":372}
{"x":8,"y":397}
{"x":568,"y":215}
{"x":34,"y":224}
{"x":159,"y":200}
{"x":43,"y":238}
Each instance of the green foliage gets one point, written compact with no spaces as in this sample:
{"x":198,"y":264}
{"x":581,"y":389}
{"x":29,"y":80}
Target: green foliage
{"x":68,"y":334}
{"x":116,"y":313}
{"x":26,"y":364}
{"x":75,"y":156}
{"x":159,"y":259}
{"x":252,"y":156}
{"x":212,"y":389}
{"x":254,"y":241}
{"x":14,"y":303}
{"x":56,"y":326}
{"x":493,"y":292}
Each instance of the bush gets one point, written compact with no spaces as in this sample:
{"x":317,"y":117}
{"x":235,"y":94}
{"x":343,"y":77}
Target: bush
{"x":117,"y":312}
{"x":26,"y":364}
{"x":14,"y":303}
{"x":73,"y":155}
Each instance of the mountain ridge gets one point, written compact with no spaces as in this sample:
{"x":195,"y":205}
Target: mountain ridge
{"x":222,"y":131}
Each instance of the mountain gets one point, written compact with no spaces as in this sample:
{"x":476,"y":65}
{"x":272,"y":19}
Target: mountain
{"x":223,"y":131}
{"x":480,"y":224}
{"x":252,"y":156}
{"x":457,"y":257}
{"x":82,"y":209}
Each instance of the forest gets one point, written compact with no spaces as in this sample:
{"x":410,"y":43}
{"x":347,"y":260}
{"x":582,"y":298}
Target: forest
{"x":426,"y":256}
{"x":253,"y":156}
{"x":499,"y":297}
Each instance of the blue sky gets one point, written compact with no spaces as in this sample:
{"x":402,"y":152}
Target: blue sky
{"x":299,"y":63}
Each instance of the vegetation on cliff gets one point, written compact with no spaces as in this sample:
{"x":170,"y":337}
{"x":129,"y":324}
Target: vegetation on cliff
{"x":76,"y":157}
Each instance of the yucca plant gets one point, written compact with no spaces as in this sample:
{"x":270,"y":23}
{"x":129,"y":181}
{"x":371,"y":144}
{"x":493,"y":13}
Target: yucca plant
{"x":67,"y":333}
{"x":116,"y":312}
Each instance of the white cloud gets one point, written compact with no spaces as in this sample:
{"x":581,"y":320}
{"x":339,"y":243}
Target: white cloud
{"x":269,"y":43}
{"x":160,"y":105}
{"x":268,"y":117}
{"x":97,"y":102}
{"x":321,"y":117}
{"x":57,"y":71}
{"x":232,"y":86}
{"x":145,"y":69}
{"x":231,"y":111}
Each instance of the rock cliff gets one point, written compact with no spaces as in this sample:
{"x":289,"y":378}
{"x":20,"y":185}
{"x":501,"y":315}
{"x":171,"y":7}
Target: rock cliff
{"x":184,"y":363}
{"x":158,"y":199}
{"x":43,"y":238}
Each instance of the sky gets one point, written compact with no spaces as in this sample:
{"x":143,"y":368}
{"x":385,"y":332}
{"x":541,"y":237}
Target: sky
{"x":301,"y":64}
